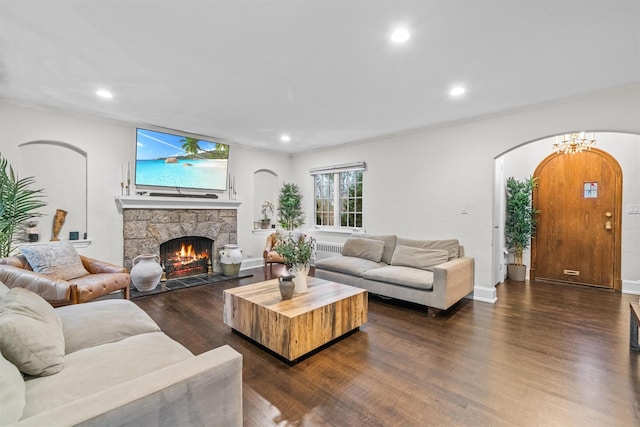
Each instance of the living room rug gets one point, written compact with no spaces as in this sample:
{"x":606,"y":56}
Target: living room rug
{"x":185,"y":282}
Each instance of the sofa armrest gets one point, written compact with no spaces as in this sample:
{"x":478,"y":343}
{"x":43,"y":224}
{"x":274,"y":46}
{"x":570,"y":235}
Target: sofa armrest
{"x":94,"y":266}
{"x":452,"y":281}
{"x":55,"y":291}
{"x":204,"y":390}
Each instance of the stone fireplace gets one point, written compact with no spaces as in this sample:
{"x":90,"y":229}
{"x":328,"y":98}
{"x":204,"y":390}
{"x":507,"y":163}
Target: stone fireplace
{"x":149,"y":222}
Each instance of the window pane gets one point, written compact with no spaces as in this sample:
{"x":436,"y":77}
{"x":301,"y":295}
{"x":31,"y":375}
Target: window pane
{"x":324,"y":199}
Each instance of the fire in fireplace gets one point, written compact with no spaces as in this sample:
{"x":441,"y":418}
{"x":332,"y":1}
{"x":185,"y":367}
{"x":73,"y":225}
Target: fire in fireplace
{"x":186,"y":256}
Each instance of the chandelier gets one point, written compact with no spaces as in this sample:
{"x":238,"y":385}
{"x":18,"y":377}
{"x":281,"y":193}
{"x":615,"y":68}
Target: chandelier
{"x":574,"y":143}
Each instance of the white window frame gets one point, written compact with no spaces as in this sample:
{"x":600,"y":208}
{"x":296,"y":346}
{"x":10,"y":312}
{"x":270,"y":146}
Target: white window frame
{"x":337,"y":212}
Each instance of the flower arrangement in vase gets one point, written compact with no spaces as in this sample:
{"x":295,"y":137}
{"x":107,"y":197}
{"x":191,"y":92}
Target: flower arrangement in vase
{"x":296,"y":249}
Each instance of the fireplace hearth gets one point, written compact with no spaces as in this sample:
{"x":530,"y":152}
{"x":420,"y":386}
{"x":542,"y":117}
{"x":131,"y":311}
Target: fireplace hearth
{"x":186,"y":256}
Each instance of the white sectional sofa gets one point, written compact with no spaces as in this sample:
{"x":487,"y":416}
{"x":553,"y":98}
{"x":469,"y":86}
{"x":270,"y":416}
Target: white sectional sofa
{"x":106,"y":363}
{"x":434,"y":273}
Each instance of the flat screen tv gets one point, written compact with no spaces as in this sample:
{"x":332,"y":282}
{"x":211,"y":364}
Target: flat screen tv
{"x":177,"y":162}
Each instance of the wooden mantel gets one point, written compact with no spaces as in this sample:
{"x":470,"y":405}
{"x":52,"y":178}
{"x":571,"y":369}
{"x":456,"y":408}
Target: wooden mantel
{"x":158,"y":202}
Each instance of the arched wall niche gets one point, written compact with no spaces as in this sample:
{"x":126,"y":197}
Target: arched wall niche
{"x":60,"y":169}
{"x":522,"y":160}
{"x":265,"y":187}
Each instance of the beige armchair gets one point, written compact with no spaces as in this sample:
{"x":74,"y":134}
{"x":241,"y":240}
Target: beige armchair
{"x":270,"y":255}
{"x":103,"y":278}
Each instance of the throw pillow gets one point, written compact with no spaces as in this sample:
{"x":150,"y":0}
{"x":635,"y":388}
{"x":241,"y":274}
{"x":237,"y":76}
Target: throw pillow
{"x":424,"y":259}
{"x":363,"y":248}
{"x":389,"y":244}
{"x":12,"y":393}
{"x":31,"y":334}
{"x":58,"y":260}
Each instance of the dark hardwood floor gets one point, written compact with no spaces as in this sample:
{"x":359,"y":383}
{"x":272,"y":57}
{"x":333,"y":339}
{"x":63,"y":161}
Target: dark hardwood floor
{"x":543,"y":355}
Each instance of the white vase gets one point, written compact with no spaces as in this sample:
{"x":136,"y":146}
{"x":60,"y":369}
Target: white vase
{"x":146,"y":272}
{"x":230,"y":258}
{"x":300,"y":278}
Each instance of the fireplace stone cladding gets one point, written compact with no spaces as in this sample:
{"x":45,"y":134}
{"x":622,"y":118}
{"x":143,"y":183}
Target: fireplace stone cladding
{"x":145,"y":229}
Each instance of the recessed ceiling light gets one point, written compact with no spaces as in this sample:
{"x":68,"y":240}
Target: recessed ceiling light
{"x":457,"y":91}
{"x":104,"y":94}
{"x":400,"y":35}
{"x":285,"y":138}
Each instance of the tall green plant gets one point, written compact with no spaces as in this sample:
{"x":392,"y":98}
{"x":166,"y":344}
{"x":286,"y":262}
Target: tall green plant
{"x":290,"y":207}
{"x":18,"y":204}
{"x":520,"y":224}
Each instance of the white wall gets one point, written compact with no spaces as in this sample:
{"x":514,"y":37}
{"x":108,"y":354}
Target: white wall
{"x":418,"y":184}
{"x":110,"y":144}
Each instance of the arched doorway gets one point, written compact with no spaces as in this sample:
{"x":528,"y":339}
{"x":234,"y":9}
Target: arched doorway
{"x":578,"y":236}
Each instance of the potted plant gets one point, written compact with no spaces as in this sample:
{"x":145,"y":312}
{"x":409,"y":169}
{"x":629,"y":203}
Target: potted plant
{"x":296,"y":249}
{"x":18,"y":204}
{"x":290,"y":207}
{"x":267,"y":208}
{"x":520,"y":223}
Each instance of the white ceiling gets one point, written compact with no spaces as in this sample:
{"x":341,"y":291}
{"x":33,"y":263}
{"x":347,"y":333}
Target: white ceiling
{"x":323,"y":71}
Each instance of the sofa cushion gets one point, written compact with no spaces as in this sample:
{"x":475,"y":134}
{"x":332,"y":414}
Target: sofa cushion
{"x":98,"y":368}
{"x":12,"y":392}
{"x":389,"y":244}
{"x":3,"y":290}
{"x":404,"y":276}
{"x":58,"y":260}
{"x":100,"y":322}
{"x":451,"y":245}
{"x":347,"y":264}
{"x":31,"y":333}
{"x":363,"y":248}
{"x":424,"y":259}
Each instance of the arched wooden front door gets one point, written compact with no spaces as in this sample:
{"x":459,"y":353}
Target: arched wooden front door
{"x":579,"y":225}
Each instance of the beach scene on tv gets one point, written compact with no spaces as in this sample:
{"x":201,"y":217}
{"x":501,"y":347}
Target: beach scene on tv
{"x":167,"y":160}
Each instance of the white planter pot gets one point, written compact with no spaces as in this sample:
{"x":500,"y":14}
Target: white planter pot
{"x":300,"y":278}
{"x":230,"y":259}
{"x":146,"y":272}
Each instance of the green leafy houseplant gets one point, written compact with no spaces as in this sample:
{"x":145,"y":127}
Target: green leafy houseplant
{"x":295,"y":248}
{"x":520,"y":223}
{"x":290,"y":207}
{"x":18,"y":204}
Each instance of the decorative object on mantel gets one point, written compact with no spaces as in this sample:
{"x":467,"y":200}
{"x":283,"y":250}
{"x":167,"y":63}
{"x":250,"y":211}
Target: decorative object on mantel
{"x":574,"y":143}
{"x":267,"y":207}
{"x":231,"y":259}
{"x":232,"y":188}
{"x":58,"y":222}
{"x":18,"y":203}
{"x":146,"y":272}
{"x":125,"y":189}
{"x":287,"y":286}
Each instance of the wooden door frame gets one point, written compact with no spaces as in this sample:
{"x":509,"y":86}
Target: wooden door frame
{"x":617,"y":217}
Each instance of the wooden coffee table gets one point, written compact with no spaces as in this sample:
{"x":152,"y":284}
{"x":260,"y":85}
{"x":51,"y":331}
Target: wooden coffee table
{"x":293,"y":328}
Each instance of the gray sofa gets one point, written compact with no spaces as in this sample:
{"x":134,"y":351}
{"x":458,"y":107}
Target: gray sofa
{"x":106,"y":363}
{"x":434,"y":273}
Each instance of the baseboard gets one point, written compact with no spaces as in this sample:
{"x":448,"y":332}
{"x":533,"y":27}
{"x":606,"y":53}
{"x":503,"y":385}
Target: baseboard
{"x":482,"y":294}
{"x":251,"y":263}
{"x":631,"y":287}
